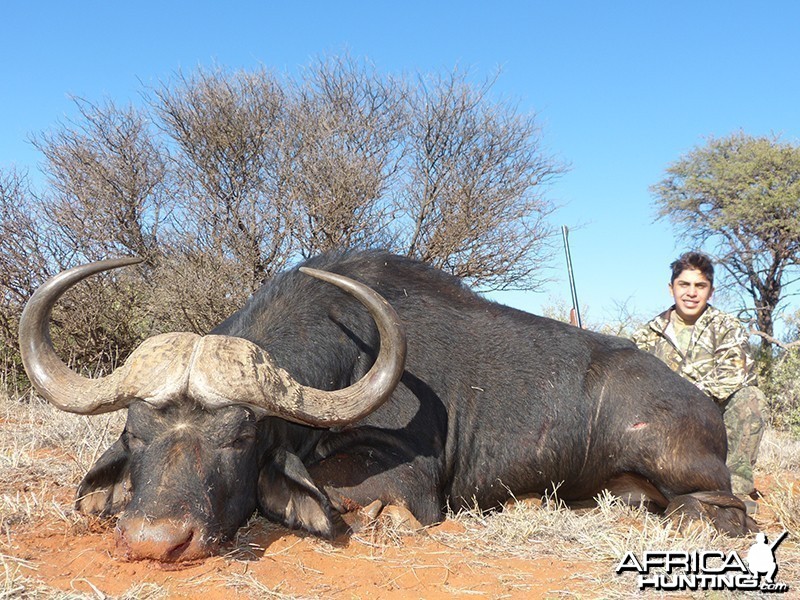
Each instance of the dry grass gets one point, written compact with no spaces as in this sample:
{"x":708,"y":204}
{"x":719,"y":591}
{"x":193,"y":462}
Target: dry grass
{"x":602,"y":535}
{"x":43,"y":451}
{"x":41,"y":464}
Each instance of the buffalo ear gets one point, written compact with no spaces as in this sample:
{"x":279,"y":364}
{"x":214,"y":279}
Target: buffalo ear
{"x":105,"y":489}
{"x":287,"y":495}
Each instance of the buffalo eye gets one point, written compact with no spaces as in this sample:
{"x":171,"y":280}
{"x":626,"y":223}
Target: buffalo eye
{"x":243,"y":440}
{"x":132,"y":442}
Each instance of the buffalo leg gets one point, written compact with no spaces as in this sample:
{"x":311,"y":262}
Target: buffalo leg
{"x":698,"y":486}
{"x":353,"y":480}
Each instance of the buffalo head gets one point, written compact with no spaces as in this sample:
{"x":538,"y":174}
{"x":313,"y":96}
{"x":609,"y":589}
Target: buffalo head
{"x":202,"y":412}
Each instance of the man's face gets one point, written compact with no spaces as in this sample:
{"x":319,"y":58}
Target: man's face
{"x":691,"y":291}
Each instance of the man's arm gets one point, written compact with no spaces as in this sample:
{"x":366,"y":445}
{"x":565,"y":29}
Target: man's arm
{"x":644,"y":339}
{"x":647,"y":338}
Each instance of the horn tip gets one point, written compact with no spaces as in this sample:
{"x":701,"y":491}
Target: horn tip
{"x":316,"y":273}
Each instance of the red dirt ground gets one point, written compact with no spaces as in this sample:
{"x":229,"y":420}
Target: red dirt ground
{"x":78,"y":556}
{"x":284,"y":563}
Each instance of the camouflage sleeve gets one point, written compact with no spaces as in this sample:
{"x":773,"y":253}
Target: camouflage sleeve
{"x":644,"y":338}
{"x":725,"y":365}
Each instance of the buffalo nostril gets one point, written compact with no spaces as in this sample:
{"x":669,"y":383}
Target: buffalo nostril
{"x":181,"y":548}
{"x":164,"y":540}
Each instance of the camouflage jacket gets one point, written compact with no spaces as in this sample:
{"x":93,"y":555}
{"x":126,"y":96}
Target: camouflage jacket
{"x":717,"y":360}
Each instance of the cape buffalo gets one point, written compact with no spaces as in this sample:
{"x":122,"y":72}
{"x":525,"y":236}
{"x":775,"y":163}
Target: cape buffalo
{"x":398,"y":384}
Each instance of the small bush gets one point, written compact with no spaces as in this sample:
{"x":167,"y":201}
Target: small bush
{"x":782,"y":388}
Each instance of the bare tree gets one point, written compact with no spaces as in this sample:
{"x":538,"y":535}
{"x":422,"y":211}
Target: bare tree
{"x":95,"y":323}
{"x":193,"y":290}
{"x":221,"y":179}
{"x":108,"y":189}
{"x":474,"y":202}
{"x":347,"y":124}
{"x":22,"y":259}
{"x":22,"y":264}
{"x":231,"y":160}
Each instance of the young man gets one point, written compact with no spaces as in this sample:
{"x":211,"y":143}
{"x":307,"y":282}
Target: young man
{"x":709,"y":348}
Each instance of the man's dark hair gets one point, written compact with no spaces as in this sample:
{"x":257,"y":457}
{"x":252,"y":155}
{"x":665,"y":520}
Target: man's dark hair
{"x":693,"y":261}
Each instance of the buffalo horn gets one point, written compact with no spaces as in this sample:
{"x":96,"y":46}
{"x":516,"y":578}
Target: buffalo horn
{"x":56,"y":382}
{"x":229,"y":370}
{"x":214,"y":370}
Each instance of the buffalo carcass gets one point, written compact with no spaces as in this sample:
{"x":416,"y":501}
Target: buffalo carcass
{"x":315,"y":400}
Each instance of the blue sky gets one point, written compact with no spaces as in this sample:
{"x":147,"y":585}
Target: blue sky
{"x":621,"y":89}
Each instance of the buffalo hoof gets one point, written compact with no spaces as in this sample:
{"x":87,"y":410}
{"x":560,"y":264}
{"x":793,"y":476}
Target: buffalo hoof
{"x":726,"y":512}
{"x":400,"y":519}
{"x":390,"y":518}
{"x":371,"y":511}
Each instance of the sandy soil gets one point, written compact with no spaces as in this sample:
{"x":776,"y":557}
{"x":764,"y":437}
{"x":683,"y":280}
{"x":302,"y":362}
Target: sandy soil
{"x":68,"y":552}
{"x":269,"y":561}
{"x":49,"y":545}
